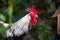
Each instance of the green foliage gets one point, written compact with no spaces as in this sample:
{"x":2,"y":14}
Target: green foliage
{"x":2,"y":32}
{"x":47,"y":3}
{"x":2,"y":17}
{"x":44,"y":33}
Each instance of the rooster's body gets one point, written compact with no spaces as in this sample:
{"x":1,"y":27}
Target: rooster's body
{"x":21,"y":26}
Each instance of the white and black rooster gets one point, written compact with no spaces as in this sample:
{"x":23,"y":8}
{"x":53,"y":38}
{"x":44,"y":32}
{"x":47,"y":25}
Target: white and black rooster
{"x":22,"y":26}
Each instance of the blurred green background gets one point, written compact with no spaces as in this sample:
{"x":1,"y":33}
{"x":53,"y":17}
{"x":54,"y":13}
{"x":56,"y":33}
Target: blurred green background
{"x":12,"y":10}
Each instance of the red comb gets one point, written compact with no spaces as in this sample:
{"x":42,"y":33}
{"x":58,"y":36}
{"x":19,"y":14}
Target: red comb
{"x":31,"y":9}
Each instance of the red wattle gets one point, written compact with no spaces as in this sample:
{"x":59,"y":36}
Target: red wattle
{"x":33,"y":20}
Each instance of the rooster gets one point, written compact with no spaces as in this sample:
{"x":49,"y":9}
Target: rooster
{"x":22,"y":26}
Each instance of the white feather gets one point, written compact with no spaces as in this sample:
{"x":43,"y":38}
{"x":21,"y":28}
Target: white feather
{"x":5,"y":24}
{"x":20,"y":27}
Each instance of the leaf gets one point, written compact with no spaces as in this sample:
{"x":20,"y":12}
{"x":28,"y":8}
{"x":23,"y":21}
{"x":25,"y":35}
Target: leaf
{"x":4,"y":1}
{"x":2,"y":31}
{"x":2,"y":17}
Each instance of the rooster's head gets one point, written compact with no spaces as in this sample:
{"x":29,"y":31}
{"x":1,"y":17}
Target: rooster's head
{"x":33,"y":15}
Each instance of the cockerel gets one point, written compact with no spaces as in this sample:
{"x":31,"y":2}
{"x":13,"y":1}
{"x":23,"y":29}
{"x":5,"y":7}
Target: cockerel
{"x":22,"y":26}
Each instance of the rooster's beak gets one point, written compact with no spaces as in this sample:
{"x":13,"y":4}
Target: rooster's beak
{"x":36,"y":15}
